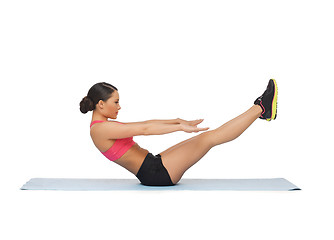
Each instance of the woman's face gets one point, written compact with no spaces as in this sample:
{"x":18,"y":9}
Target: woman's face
{"x":111,"y":106}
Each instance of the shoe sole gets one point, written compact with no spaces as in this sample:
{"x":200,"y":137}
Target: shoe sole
{"x":274,"y":103}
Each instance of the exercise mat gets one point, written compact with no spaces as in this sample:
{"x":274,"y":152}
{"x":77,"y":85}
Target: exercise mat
{"x":80,"y":184}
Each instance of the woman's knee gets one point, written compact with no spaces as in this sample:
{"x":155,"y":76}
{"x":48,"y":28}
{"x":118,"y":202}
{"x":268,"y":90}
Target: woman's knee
{"x":208,"y":138}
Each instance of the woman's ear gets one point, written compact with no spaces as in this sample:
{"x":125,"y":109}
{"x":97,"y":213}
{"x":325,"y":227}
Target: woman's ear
{"x":100,"y":104}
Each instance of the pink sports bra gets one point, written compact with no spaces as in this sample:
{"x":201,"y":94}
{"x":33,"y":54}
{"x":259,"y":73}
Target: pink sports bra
{"x":120,"y":146}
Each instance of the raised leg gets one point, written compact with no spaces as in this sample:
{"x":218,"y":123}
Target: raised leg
{"x":179,"y":158}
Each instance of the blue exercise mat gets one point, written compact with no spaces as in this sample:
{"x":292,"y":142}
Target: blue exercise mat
{"x":78,"y":184}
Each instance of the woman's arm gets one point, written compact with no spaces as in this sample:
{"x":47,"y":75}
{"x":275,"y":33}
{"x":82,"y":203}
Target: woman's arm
{"x":158,"y":128}
{"x":169,"y":121}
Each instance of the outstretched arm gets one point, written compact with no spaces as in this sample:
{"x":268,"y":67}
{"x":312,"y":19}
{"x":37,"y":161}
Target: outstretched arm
{"x":155,"y":127}
{"x":158,"y":128}
{"x":169,"y":121}
{"x":174,"y":121}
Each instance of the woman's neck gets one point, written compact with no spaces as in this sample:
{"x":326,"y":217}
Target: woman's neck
{"x":98,"y":117}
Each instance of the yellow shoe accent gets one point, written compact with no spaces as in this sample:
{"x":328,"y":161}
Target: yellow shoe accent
{"x":274,"y":109}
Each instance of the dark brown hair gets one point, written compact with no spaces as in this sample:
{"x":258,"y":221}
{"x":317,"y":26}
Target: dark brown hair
{"x":99,"y":91}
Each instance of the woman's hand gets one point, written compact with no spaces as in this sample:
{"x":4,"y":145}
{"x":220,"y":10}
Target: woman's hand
{"x":190,"y":123}
{"x":191,"y":126}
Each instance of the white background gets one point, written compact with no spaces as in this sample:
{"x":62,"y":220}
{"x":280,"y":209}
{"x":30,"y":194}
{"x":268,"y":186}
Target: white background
{"x":169,"y":59}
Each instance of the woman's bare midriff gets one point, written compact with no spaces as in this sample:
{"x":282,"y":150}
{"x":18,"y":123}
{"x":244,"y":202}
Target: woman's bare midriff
{"x":133,"y":158}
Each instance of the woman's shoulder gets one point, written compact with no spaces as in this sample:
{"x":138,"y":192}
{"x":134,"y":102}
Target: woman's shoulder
{"x":99,"y":127}
{"x":100,"y":122}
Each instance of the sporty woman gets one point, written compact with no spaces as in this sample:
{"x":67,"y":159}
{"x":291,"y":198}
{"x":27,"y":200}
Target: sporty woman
{"x":115,"y":139}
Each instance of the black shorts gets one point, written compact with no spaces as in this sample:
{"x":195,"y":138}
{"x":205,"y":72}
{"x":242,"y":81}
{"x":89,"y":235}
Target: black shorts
{"x":153,"y":173}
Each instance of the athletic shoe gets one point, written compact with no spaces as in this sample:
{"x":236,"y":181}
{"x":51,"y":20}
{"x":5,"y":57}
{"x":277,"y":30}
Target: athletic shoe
{"x":268,"y":101}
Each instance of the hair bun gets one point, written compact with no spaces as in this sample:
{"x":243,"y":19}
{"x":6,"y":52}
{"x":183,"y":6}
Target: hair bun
{"x":88,"y":98}
{"x":86,"y":104}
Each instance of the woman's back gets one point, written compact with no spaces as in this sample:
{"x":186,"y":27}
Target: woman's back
{"x":124,"y":152}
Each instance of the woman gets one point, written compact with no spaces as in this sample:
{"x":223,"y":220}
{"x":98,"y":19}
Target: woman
{"x":115,"y":139}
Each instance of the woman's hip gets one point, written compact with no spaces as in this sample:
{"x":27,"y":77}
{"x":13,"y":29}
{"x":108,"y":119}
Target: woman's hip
{"x":152,"y":172}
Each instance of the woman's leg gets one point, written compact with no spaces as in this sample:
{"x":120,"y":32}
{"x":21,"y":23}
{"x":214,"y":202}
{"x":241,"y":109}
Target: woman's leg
{"x":183,"y":155}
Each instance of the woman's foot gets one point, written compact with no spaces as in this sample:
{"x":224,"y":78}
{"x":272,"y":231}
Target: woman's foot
{"x":268,"y":101}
